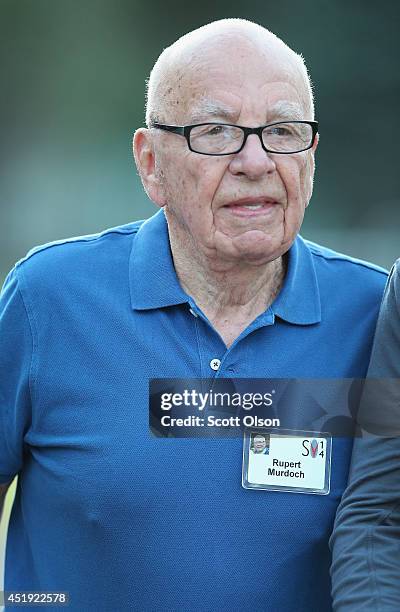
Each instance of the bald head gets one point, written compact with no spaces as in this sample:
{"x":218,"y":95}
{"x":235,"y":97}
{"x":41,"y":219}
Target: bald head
{"x":171,"y":83}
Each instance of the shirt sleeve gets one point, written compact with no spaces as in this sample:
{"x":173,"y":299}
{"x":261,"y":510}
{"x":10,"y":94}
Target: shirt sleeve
{"x":366,"y":537}
{"x":16,"y":355}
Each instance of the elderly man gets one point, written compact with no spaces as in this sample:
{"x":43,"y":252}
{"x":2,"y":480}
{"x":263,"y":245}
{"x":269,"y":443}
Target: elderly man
{"x":260,"y":445}
{"x":217,"y":284}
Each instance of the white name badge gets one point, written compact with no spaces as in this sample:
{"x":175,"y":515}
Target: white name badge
{"x":287,"y":460}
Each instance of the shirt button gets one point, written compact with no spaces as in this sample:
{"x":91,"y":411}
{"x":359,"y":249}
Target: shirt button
{"x":215,"y":363}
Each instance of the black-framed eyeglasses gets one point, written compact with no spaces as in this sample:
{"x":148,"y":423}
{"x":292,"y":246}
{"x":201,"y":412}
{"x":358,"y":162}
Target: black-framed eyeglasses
{"x":227,"y":139}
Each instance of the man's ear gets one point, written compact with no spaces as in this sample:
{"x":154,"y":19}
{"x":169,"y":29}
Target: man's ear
{"x":143,"y":152}
{"x":315,"y":143}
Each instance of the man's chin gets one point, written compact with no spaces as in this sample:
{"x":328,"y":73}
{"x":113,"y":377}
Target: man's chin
{"x":254,"y":247}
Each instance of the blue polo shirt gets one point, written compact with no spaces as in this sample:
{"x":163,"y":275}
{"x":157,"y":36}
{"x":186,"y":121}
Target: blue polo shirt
{"x":123,"y":520}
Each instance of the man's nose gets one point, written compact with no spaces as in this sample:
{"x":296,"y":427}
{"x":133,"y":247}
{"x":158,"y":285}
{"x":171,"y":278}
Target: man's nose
{"x":252,"y":161}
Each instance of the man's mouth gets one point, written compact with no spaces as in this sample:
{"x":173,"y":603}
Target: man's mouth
{"x":251,"y":206}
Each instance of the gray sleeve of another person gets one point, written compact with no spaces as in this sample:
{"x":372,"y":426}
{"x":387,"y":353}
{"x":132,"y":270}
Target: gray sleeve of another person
{"x":366,"y":538}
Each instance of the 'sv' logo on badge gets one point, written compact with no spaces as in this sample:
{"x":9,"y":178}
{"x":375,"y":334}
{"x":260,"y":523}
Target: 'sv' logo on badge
{"x":314,"y":448}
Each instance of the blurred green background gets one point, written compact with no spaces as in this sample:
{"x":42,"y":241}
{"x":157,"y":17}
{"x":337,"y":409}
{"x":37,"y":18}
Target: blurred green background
{"x":73,"y":77}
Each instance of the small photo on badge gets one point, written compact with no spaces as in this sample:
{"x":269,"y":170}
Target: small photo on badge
{"x":259,"y":443}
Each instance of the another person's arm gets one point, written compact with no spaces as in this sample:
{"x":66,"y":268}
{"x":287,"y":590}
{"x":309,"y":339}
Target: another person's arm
{"x":366,"y":538}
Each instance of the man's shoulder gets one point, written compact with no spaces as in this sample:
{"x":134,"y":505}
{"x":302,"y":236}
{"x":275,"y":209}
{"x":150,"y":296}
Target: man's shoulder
{"x":78,"y":243}
{"x":326,"y":259}
{"x":73,"y":253}
{"x":345,"y":262}
{"x":346,"y":275}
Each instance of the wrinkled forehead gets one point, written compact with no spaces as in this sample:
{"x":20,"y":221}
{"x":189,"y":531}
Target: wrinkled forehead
{"x":203,"y":80}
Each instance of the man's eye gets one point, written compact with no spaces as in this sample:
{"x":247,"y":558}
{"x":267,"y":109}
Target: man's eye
{"x":279,"y":130}
{"x":215,"y":130}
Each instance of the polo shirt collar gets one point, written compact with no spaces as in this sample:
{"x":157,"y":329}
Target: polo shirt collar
{"x":154,"y":283}
{"x":299,"y":300}
{"x":152,"y":277}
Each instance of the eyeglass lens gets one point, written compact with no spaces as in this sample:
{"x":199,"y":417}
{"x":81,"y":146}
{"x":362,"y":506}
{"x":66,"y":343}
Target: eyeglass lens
{"x":283,"y":138}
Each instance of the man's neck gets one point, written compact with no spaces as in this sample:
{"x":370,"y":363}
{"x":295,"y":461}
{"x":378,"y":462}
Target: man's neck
{"x":230,"y":294}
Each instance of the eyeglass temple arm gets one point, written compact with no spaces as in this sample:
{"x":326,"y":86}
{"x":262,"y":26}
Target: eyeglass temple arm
{"x":175,"y":129}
